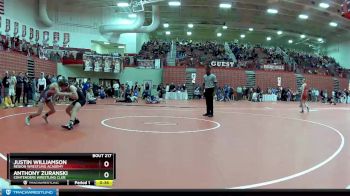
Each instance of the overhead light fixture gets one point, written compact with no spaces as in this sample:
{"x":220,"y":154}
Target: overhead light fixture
{"x":333,"y":24}
{"x":132,"y":15}
{"x":174,"y":3}
{"x":251,"y":29}
{"x":324,"y":5}
{"x":272,"y":11}
{"x":242,"y":36}
{"x":219,"y":34}
{"x":302,"y":36}
{"x":167,"y":32}
{"x":190,"y":25}
{"x":166,"y":25}
{"x":123,"y":4}
{"x":189,"y":33}
{"x":268,"y":38}
{"x":303,"y":16}
{"x":224,"y":27}
{"x":290,"y":41}
{"x":121,"y":47}
{"x":107,"y":43}
{"x":320,"y":39}
{"x":225,"y":5}
{"x":279,"y":32}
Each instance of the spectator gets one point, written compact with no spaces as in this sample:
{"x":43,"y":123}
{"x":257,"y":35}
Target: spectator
{"x":41,"y":85}
{"x":12,"y":87}
{"x":19,"y":87}
{"x":90,"y":96}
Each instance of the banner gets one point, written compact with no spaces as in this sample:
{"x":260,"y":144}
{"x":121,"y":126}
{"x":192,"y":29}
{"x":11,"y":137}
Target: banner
{"x":46,"y":37}
{"x":24,"y":31}
{"x":88,"y":63}
{"x":37,"y":35}
{"x":222,"y":64}
{"x":56,"y":37}
{"x":31,"y":33}
{"x":15,"y":31}
{"x":117,"y":62}
{"x":107,"y":60}
{"x":279,"y":81}
{"x":149,"y":64}
{"x":0,"y":23}
{"x":273,"y":67}
{"x":66,"y":39}
{"x":8,"y":25}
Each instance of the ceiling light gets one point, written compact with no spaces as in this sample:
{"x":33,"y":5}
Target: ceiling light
{"x":242,"y":36}
{"x":268,"y":38}
{"x":189,"y":33}
{"x":302,"y":36}
{"x":167,"y":32}
{"x":224,"y":27}
{"x":123,"y":4}
{"x":166,"y":25}
{"x":251,"y":29}
{"x":333,"y":24}
{"x":219,"y":34}
{"x":132,"y":15}
{"x":279,"y":32}
{"x":190,"y":25}
{"x":225,"y":5}
{"x":303,"y":16}
{"x":107,"y":43}
{"x":174,"y":3}
{"x":272,"y":11}
{"x":320,"y":39}
{"x":121,"y":47}
{"x":324,"y":5}
{"x":290,"y":41}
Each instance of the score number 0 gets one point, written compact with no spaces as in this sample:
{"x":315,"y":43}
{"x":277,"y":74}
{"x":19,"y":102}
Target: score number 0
{"x":106,"y":164}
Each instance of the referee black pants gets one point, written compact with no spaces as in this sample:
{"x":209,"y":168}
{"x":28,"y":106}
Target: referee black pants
{"x":209,"y":99}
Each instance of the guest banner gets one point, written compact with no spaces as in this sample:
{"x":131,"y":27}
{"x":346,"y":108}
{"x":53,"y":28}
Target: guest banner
{"x":24,"y":31}
{"x":37,"y":35}
{"x":31,"y":33}
{"x":222,"y":64}
{"x":15,"y":31}
{"x":8,"y":25}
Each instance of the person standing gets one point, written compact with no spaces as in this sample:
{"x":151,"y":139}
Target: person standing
{"x":41,"y":85}
{"x":12,"y":92}
{"x":116,"y":89}
{"x":19,"y":87}
{"x":26,"y":89}
{"x":304,"y":97}
{"x":209,"y":86}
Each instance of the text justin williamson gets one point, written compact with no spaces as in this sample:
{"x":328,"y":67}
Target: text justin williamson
{"x":37,"y":164}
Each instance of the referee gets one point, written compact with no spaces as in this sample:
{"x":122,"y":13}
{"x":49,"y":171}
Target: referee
{"x":209,"y":86}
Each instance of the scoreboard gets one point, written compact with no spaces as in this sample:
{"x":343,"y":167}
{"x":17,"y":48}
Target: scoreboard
{"x":96,"y":169}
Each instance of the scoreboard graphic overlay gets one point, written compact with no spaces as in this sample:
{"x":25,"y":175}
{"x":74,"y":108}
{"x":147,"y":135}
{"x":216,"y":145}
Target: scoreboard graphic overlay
{"x":96,"y":169}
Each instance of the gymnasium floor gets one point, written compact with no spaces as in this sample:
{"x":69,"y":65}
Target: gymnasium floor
{"x":171,"y":145}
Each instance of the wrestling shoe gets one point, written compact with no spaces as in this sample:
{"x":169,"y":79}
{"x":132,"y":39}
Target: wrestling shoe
{"x":76,"y":121}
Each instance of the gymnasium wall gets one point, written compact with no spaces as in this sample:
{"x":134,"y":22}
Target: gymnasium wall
{"x":340,"y":51}
{"x":80,"y":21}
{"x":12,"y":61}
{"x":264,"y":79}
{"x":129,"y":74}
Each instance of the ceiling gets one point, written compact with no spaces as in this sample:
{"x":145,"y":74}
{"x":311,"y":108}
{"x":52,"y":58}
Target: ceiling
{"x":208,"y":19}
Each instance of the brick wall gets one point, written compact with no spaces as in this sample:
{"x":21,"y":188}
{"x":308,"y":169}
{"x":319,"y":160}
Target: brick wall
{"x":176,"y":75}
{"x":343,"y":83}
{"x":268,"y":79}
{"x":13,"y":61}
{"x":319,"y":82}
{"x":264,"y":79}
{"x":232,"y":77}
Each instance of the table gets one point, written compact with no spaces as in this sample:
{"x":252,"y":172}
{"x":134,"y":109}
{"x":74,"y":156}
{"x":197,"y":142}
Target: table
{"x":176,"y":96}
{"x":269,"y":98}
